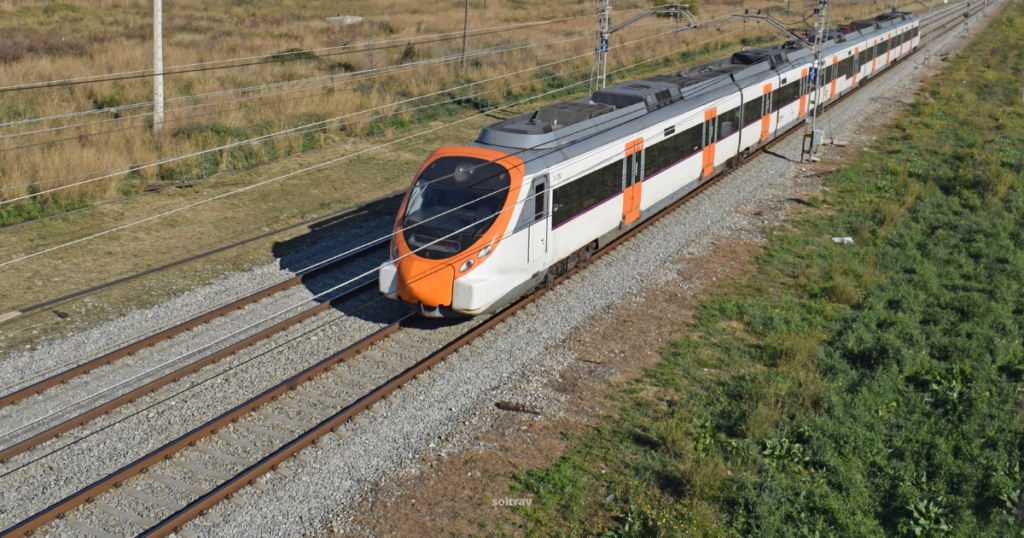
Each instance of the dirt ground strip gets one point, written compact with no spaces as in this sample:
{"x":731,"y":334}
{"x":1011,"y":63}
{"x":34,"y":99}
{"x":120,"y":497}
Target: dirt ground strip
{"x":457,"y":496}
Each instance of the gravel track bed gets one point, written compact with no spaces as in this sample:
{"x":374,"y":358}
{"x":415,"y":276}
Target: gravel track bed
{"x":441,"y":413}
{"x":63,"y":402}
{"x":213,"y":454}
{"x":76,"y":349}
{"x":29,"y":484}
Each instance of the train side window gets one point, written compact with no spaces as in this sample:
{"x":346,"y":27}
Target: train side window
{"x":846,"y":67}
{"x":585,"y":192}
{"x":752,"y":110}
{"x":728,"y":122}
{"x":538,"y":202}
{"x":655,"y":155}
{"x":789,"y":93}
{"x":690,"y":141}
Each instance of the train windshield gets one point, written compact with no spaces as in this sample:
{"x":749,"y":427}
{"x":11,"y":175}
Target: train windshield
{"x":454,"y":202}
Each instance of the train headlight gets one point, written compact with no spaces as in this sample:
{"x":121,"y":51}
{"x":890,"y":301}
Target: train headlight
{"x":487,"y":250}
{"x":466,"y":265}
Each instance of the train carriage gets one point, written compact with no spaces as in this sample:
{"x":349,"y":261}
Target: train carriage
{"x":535,"y":195}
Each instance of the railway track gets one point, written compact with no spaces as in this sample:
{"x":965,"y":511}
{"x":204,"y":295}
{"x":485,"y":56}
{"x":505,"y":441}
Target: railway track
{"x":182,"y":480}
{"x":71,"y":398}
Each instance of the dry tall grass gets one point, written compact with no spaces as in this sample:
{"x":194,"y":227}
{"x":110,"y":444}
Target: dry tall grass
{"x":42,"y":40}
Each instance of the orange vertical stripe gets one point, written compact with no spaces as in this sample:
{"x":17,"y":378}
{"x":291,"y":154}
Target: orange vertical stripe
{"x":766,"y":120}
{"x":803,"y":98}
{"x":709,"y":160}
{"x":833,"y":96}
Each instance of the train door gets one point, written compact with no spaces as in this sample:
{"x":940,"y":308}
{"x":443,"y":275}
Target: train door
{"x":537,"y":201}
{"x":633,"y":182}
{"x":805,"y":88}
{"x":874,"y":56}
{"x":766,"y":112}
{"x":856,"y":66}
{"x":835,"y":72}
{"x":710,"y":136}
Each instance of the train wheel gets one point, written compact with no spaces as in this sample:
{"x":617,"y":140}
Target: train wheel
{"x":549,"y":280}
{"x":584,"y":259}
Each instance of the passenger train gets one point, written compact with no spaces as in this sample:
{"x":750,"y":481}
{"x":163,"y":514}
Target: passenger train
{"x":537,"y":194}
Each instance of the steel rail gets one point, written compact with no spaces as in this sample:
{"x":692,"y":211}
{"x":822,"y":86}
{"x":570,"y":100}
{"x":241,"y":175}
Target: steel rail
{"x":83,"y":418}
{"x":225,"y":490}
{"x":141,"y":465}
{"x":175,"y":330}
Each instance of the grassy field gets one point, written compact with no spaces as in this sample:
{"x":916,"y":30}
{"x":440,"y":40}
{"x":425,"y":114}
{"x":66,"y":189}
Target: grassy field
{"x":309,"y":73}
{"x":873,"y":390}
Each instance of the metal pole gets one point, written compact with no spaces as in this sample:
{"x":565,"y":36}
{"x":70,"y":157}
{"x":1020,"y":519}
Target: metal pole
{"x":820,"y":26}
{"x":602,"y":44}
{"x":158,"y":66}
{"x":465,"y":30}
{"x":931,"y":9}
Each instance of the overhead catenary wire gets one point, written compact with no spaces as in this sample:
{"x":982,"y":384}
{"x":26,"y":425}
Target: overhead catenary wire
{"x":281,"y":177}
{"x":139,"y":166}
{"x":314,"y":83}
{"x":296,"y":130}
{"x":268,"y":59}
{"x":600,"y":164}
{"x":330,"y":79}
{"x":323,"y":148}
{"x":382,"y":70}
{"x":193,"y":117}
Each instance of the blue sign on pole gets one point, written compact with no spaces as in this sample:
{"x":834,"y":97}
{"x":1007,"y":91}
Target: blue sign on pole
{"x":812,"y":74}
{"x":604,"y":44}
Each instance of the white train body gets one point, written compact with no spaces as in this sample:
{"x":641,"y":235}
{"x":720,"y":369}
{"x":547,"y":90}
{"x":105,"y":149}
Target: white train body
{"x":490,"y":221}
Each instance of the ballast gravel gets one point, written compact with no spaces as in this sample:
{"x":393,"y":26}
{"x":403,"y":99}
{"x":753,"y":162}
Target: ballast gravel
{"x":55,"y":469}
{"x":21,"y":369}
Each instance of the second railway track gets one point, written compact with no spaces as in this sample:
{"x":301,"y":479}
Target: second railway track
{"x":59,"y":403}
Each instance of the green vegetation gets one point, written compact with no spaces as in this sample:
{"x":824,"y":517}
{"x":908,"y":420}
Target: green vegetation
{"x":838,"y":390}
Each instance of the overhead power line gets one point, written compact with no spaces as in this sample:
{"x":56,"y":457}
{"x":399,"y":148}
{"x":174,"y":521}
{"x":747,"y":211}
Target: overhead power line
{"x":316,"y":166}
{"x":264,"y":60}
{"x":293,"y":131}
{"x":496,"y":29}
{"x":229,"y":172}
{"x":316,"y":82}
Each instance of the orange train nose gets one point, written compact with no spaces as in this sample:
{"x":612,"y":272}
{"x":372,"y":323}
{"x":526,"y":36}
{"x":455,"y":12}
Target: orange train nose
{"x":425,"y":281}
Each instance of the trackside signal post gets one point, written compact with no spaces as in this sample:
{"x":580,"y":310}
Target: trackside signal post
{"x":823,"y":18}
{"x":812,"y":137}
